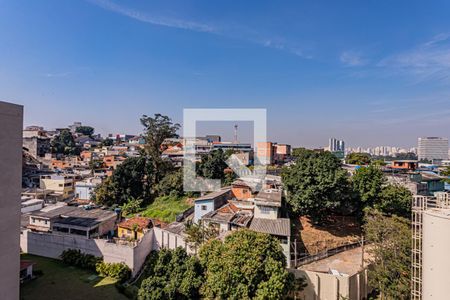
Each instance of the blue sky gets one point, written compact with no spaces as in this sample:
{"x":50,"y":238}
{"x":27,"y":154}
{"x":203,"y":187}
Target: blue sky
{"x":370,"y":72}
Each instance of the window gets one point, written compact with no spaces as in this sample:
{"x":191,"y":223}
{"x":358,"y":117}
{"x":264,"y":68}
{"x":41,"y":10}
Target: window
{"x":45,"y":222}
{"x":204,"y":207}
{"x":265,"y":210}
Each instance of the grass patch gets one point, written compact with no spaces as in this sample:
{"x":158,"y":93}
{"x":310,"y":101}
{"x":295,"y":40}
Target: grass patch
{"x":62,"y":282}
{"x":166,"y":208}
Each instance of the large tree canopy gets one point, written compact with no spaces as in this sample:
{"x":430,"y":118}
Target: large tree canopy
{"x":316,"y":184}
{"x":372,"y":191}
{"x":129,"y":180}
{"x":171,"y":274}
{"x":213,"y":165}
{"x":368,"y":184}
{"x":390,"y":248}
{"x":85,"y":130}
{"x":395,"y":200}
{"x":64,"y":143}
{"x":156,"y":130}
{"x":358,"y":159}
{"x":246,"y":265}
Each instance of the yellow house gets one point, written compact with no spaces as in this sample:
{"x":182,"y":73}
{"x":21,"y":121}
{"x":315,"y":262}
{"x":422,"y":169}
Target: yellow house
{"x":133,"y":228}
{"x":60,"y":184}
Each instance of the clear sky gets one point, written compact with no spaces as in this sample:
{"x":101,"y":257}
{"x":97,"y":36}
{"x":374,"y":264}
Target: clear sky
{"x":370,"y":72}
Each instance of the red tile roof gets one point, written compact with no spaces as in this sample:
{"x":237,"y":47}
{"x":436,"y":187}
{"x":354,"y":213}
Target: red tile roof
{"x":141,"y":222}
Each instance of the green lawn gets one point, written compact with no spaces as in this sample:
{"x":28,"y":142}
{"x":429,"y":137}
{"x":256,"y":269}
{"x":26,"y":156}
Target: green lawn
{"x":63,"y":282}
{"x":165,"y":208}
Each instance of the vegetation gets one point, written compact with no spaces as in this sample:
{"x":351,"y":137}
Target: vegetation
{"x":246,"y":265}
{"x":172,"y":274}
{"x":129,"y":181}
{"x":64,"y":143}
{"x":171,"y":184}
{"x":156,"y":130}
{"x":76,"y":258}
{"x":395,"y":200}
{"x":166,"y":208}
{"x":368,"y":184}
{"x":119,"y":271}
{"x":107,"y":142}
{"x":358,"y":159}
{"x":85,"y":130}
{"x":198,"y":233}
{"x":372,"y":191}
{"x":58,"y":281}
{"x":132,"y":206}
{"x":390,"y":239}
{"x":316,"y":184}
{"x":213,"y":165}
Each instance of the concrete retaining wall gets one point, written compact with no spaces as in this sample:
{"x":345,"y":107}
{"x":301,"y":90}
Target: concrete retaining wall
{"x":52,"y":245}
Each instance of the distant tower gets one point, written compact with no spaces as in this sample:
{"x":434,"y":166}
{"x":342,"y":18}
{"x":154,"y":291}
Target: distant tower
{"x":235,"y":133}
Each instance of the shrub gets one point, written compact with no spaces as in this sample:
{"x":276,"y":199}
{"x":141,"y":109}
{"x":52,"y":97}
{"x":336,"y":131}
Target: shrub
{"x":76,"y":258}
{"x":119,"y":271}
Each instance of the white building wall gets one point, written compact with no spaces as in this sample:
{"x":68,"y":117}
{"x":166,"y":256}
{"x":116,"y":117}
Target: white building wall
{"x":266,"y":212}
{"x":52,"y":245}
{"x":199,"y":212}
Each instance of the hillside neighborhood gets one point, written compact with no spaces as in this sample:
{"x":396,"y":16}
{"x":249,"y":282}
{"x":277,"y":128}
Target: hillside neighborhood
{"x":119,"y":201}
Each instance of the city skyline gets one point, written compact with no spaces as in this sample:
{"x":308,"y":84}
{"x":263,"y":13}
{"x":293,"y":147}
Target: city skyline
{"x":312,"y":66}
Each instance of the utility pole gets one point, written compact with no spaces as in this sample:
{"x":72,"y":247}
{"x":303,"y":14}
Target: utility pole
{"x":362,"y":252}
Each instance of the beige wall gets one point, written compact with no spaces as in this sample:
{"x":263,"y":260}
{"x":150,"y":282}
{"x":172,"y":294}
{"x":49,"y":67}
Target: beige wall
{"x":10,"y":186}
{"x":324,"y":286}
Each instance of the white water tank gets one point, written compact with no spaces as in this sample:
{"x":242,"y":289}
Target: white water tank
{"x":436,"y":254}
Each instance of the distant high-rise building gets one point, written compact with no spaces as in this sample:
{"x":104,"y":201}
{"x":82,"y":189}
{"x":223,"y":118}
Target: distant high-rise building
{"x":432,"y":148}
{"x":336,"y":145}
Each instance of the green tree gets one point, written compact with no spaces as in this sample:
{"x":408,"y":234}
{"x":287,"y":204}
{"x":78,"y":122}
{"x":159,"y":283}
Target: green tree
{"x":446,"y":172}
{"x":64,"y":143}
{"x":85,"y":130}
{"x":172,"y":274}
{"x":368,"y":184}
{"x":316,"y":185}
{"x":132,"y":206}
{"x":107,"y":142}
{"x":197,"y":234}
{"x":390,"y":249}
{"x":395,"y":200}
{"x":246,"y":265}
{"x":129,"y":180}
{"x":171,"y":184}
{"x":358,"y":159}
{"x":156,"y":130}
{"x":213,"y":165}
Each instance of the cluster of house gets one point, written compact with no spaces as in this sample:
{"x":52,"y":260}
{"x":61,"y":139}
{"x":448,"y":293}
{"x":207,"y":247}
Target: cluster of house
{"x":419,"y":178}
{"x":268,"y":152}
{"x":249,"y":203}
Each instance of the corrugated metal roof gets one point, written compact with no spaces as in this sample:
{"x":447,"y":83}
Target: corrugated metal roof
{"x":272,"y":226}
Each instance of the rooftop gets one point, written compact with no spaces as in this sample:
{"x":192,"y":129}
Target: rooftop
{"x":141,"y":223}
{"x":71,"y":215}
{"x":270,"y":197}
{"x":213,"y":195}
{"x":281,"y":227}
{"x":347,"y":263}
